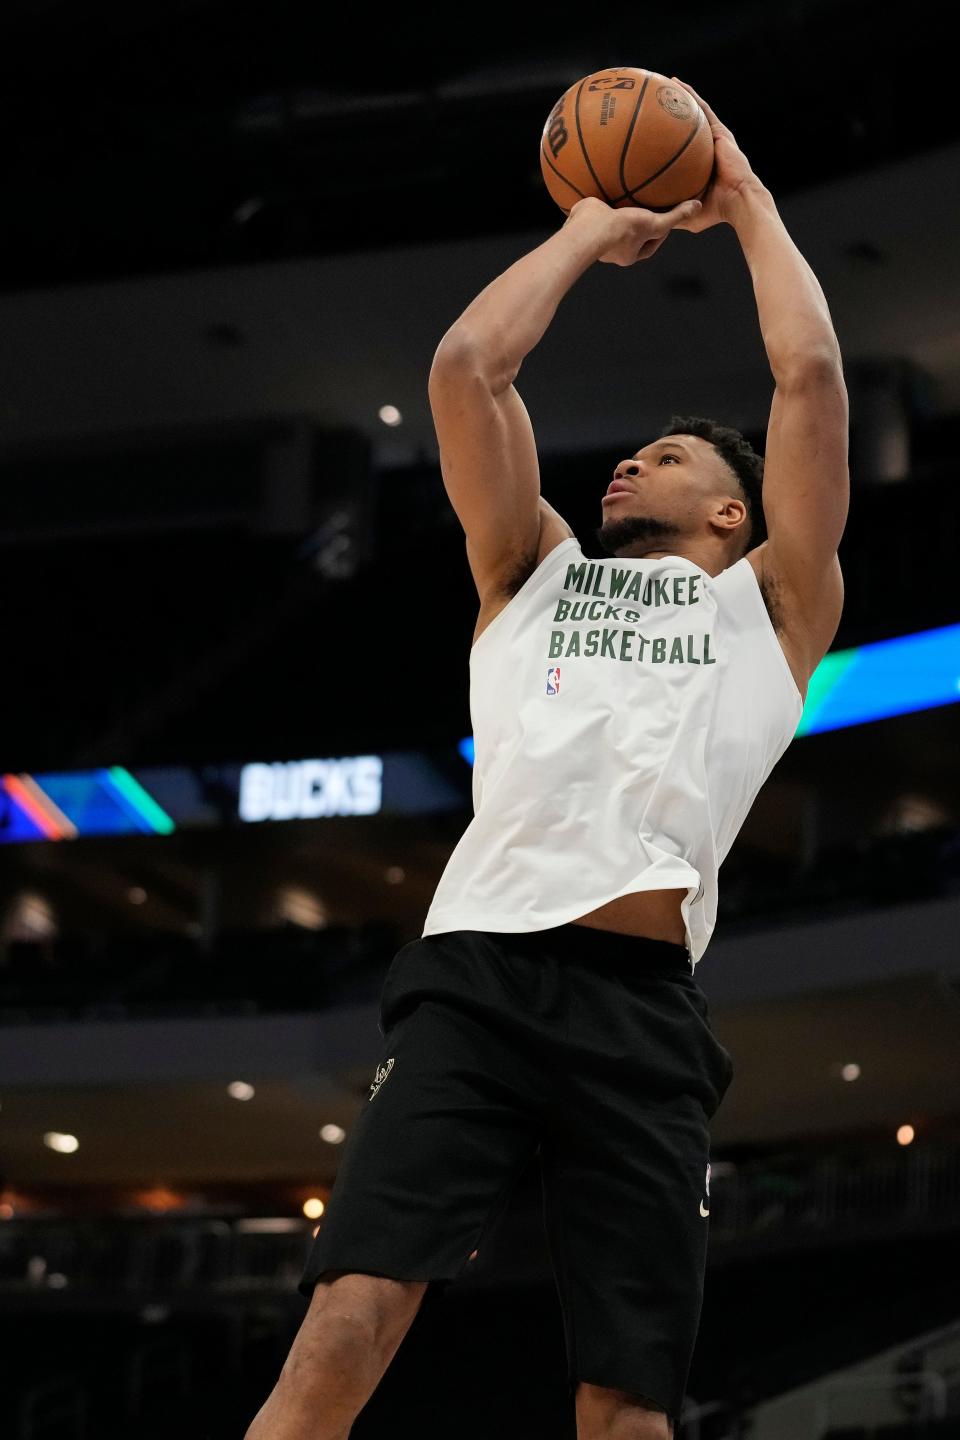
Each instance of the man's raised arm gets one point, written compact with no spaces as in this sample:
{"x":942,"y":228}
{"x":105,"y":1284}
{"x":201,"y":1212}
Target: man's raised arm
{"x":488,"y":456}
{"x":806,"y":481}
{"x":510,"y":316}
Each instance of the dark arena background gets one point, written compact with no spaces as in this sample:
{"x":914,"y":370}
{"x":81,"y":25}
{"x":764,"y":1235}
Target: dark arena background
{"x":235,"y":739}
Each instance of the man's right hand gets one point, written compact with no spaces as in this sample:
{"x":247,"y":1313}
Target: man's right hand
{"x":732,"y":174}
{"x":630,"y":233}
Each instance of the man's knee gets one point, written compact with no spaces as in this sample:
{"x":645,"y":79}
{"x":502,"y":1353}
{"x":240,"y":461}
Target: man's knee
{"x":353,"y":1326}
{"x":365,"y":1311}
{"x":603,"y":1411}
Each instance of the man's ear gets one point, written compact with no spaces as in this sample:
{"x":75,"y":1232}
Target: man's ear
{"x":731,"y":514}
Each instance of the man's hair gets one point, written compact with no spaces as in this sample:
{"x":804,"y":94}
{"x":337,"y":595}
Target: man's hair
{"x":743,"y":460}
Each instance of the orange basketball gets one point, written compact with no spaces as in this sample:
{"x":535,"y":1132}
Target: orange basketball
{"x":629,"y":137}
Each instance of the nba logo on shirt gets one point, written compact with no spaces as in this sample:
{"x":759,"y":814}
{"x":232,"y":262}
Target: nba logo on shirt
{"x":553,"y":680}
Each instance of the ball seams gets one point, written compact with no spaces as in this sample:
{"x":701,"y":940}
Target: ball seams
{"x":583,"y":147}
{"x":559,"y":175}
{"x":629,"y":136}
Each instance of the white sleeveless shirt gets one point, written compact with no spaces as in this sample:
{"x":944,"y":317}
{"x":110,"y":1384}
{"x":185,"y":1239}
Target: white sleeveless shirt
{"x":625,"y":714}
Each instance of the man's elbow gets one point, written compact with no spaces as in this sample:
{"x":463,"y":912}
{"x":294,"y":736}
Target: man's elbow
{"x":817,"y":365}
{"x":461,"y":351}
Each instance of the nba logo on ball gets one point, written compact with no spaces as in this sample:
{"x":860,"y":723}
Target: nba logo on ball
{"x":553,"y":680}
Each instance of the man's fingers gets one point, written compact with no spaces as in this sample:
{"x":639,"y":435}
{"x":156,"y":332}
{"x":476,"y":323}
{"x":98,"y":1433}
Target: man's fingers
{"x":650,"y":248}
{"x":702,"y":103}
{"x":664,"y":220}
{"x":712,"y":119}
{"x":685,"y":211}
{"x":659,"y":223}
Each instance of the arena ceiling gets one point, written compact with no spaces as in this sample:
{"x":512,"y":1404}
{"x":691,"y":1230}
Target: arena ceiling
{"x":159,"y":137}
{"x":210,"y":214}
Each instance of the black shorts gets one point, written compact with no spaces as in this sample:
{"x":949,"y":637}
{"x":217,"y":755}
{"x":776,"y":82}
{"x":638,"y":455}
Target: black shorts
{"x":595,"y":1048}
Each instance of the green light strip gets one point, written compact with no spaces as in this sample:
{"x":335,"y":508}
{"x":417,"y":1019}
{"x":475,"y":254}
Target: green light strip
{"x":827,"y":675}
{"x":134,"y":792}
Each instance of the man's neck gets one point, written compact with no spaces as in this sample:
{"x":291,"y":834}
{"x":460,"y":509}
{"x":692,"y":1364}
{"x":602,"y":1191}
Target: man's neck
{"x":706,"y":556}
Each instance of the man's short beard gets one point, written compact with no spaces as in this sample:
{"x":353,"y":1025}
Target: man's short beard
{"x":614,"y":535}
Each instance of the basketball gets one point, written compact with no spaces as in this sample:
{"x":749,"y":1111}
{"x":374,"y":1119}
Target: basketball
{"x":629,"y":137}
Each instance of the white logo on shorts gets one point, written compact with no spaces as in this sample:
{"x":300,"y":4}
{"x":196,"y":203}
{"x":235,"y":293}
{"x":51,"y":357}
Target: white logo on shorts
{"x":702,"y":1211}
{"x":382,"y":1072}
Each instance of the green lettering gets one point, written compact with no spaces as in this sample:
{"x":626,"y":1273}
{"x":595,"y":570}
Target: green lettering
{"x":694,"y":582}
{"x":573,"y":643}
{"x":659,"y":650}
{"x":618,"y":578}
{"x":643,"y":643}
{"x":556,"y":643}
{"x":606,"y":644}
{"x":690,"y":655}
{"x":575,"y":574}
{"x":706,"y":651}
{"x":648,"y":592}
{"x":590,"y":642}
{"x":676,"y":650}
{"x":626,"y":640}
{"x":678,"y":583}
{"x":597,"y":582}
{"x":596,"y":610}
{"x":632,"y":591}
{"x":661,"y":597}
{"x":563,"y":610}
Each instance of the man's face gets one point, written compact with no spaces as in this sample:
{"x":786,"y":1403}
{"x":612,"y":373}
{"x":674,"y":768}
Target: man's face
{"x":660,"y":492}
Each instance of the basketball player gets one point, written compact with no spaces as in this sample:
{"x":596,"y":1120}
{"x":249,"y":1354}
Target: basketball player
{"x":626,"y":712}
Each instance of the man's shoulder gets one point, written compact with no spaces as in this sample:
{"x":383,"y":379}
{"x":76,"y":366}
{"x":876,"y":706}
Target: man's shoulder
{"x":805,"y":631}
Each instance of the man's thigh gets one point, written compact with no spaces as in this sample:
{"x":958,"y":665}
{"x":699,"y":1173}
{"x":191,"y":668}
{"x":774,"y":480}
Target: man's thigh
{"x":625,"y":1180}
{"x":452,"y":1118}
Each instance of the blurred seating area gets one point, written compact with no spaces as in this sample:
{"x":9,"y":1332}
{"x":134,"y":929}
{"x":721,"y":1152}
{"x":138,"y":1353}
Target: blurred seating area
{"x":774,"y":1204}
{"x":874,"y":870}
{"x":156,"y":1315}
{"x":248,"y":972}
{"x":942,"y":1429}
{"x":241,"y":972}
{"x":789,"y":1198}
{"x":104,"y":1373}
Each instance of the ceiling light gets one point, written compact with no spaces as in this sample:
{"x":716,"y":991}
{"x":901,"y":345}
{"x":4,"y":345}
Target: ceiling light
{"x":390,"y":415}
{"x":240,"y":1090}
{"x":296,"y":906}
{"x":268,"y":1225}
{"x":30,"y":917}
{"x":313,"y":1208}
{"x":905,"y":1135}
{"x":158,"y":1200}
{"x":65,"y":1144}
{"x":333,"y":1134}
{"x":912,"y":814}
{"x":851,"y":1071}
